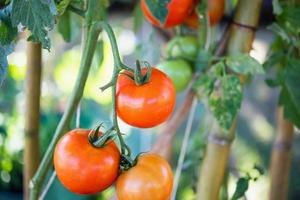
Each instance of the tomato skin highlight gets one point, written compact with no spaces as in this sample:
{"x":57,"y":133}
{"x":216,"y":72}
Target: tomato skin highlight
{"x":147,"y":105}
{"x":179,"y":71}
{"x":150,"y":179}
{"x":178,"y":11}
{"x":82,"y":168}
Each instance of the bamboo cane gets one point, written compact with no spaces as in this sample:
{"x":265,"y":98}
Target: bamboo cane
{"x":216,"y":157}
{"x":281,"y":158}
{"x":32,"y":113}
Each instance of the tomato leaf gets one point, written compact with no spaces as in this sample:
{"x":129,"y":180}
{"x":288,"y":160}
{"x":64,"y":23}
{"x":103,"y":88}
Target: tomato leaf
{"x":37,"y":16}
{"x":69,"y":26}
{"x":204,"y":85}
{"x":241,"y":187}
{"x":159,"y":9}
{"x":203,"y":59}
{"x":277,"y":9}
{"x":62,"y":6}
{"x":7,"y":38}
{"x":290,"y":93}
{"x":4,"y":52}
{"x":244,"y":64}
{"x":277,"y":29}
{"x":225,"y":101}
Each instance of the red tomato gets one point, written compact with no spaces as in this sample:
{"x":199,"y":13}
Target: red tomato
{"x":146,"y":105}
{"x":82,"y":168}
{"x":215,"y":13}
{"x":150,"y":179}
{"x":178,"y":11}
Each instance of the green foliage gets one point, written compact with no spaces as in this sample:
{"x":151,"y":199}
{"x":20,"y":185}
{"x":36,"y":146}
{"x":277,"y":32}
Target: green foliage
{"x":159,"y":9}
{"x":244,"y":64}
{"x":69,"y":26}
{"x":241,"y":187}
{"x":138,"y":17}
{"x":62,"y":6}
{"x":225,"y":101}
{"x":224,"y":91}
{"x":37,"y":16}
{"x":285,"y":58}
{"x":242,"y":184}
{"x":224,"y":94}
{"x":7,"y":36}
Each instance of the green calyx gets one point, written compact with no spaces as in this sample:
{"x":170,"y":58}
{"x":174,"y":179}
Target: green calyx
{"x":99,"y":140}
{"x":141,"y":78}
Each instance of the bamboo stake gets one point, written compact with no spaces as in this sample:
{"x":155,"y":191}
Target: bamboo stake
{"x":215,"y":160}
{"x":32,"y":113}
{"x":281,"y":158}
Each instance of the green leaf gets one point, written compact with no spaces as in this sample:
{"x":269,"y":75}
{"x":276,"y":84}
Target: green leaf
{"x":37,"y":16}
{"x":69,"y":26}
{"x":292,"y":16}
{"x":293,"y":81}
{"x":203,"y":59}
{"x":62,"y":6}
{"x":277,"y":29}
{"x":277,"y":9}
{"x":241,"y":187}
{"x":225,"y":101}
{"x":7,"y":40}
{"x":290,"y":92}
{"x":290,"y":110}
{"x":8,"y":33}
{"x":138,"y":17}
{"x":159,"y":9}
{"x":4,"y":52}
{"x":204,"y":85}
{"x":259,"y":169}
{"x":244,"y":64}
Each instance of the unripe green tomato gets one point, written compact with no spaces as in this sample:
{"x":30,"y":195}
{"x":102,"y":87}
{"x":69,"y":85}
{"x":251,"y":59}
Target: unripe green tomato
{"x":179,"y":71}
{"x":183,"y":47}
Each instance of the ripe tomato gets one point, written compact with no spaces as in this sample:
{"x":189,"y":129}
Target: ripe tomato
{"x":185,"y":47}
{"x":146,"y":105}
{"x":177,"y":12}
{"x":179,"y":71}
{"x":82,"y":168}
{"x":150,"y":179}
{"x":215,"y":14}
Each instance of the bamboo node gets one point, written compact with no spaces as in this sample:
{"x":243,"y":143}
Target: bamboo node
{"x":219,"y":140}
{"x":282,"y":146}
{"x":252,"y":28}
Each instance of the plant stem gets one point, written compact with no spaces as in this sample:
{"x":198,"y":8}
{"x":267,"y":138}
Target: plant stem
{"x":62,"y":127}
{"x":118,"y":66}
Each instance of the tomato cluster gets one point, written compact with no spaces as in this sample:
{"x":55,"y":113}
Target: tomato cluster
{"x":85,"y":169}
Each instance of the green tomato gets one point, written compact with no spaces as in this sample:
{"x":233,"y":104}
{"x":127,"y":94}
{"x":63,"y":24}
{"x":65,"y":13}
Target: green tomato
{"x":183,"y":47}
{"x":179,"y":71}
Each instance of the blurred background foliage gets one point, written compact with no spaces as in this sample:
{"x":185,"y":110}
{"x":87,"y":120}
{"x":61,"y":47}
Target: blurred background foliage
{"x":136,"y":39}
